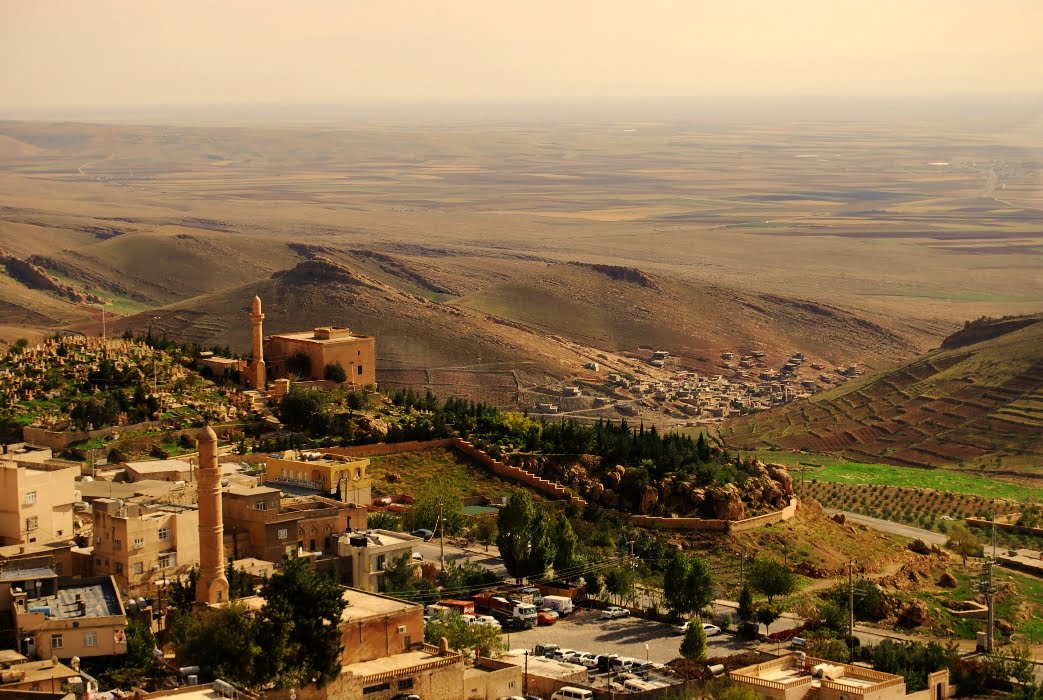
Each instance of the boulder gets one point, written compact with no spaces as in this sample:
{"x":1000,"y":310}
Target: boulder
{"x":594,"y":491}
{"x":649,"y":500}
{"x":614,"y":476}
{"x":696,"y":495}
{"x":839,"y":518}
{"x":375,"y":427}
{"x":780,"y":475}
{"x":727,"y":502}
{"x":947,"y":580}
{"x":920,"y":547}
{"x":914,"y":614}
{"x":1004,"y":627}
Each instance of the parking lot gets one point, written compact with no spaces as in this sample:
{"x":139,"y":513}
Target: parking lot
{"x":584,"y":630}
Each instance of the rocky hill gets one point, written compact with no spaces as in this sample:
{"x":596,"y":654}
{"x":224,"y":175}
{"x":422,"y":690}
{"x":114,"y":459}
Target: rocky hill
{"x":976,"y":405}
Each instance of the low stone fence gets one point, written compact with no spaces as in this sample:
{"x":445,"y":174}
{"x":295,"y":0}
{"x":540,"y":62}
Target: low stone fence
{"x":556,"y":491}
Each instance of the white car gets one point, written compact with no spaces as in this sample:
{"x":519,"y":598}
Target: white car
{"x":708,"y":629}
{"x":589,"y":660}
{"x":562,"y":654}
{"x":614,"y":612}
{"x":488,"y":620}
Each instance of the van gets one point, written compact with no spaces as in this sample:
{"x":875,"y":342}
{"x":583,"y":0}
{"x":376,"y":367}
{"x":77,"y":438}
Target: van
{"x":572,"y":693}
{"x":558,"y":603}
{"x":545,"y":649}
{"x":605,"y":662}
{"x":634,"y":685}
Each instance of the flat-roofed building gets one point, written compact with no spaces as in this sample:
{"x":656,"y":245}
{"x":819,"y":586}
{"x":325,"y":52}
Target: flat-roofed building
{"x":259,"y":522}
{"x":159,"y":470}
{"x":38,"y":678}
{"x":36,"y":502}
{"x":327,"y":345}
{"x":140,"y":542}
{"x":66,"y":617}
{"x":796,"y":676}
{"x":371,"y":553}
{"x":344,"y":478}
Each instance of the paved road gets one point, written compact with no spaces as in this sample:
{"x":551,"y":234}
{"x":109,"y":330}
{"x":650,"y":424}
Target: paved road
{"x":913,"y":533}
{"x":584,"y":630}
{"x":430,"y":551}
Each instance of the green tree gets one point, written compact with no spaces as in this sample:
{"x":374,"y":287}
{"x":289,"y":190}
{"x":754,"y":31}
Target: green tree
{"x":240,"y":584}
{"x":693,"y":646}
{"x":771,"y":578}
{"x":512,"y":532}
{"x":432,"y":501}
{"x":687,"y":584}
{"x":301,"y":409}
{"x":224,"y":641}
{"x":464,"y":637}
{"x":541,"y":546}
{"x":485,"y":529}
{"x":565,"y":543}
{"x":620,"y":581}
{"x":963,"y":542}
{"x":335,"y":373}
{"x":746,"y":609}
{"x":383,"y":520}
{"x":305,"y":608}
{"x":766,"y":615}
{"x":724,"y":688}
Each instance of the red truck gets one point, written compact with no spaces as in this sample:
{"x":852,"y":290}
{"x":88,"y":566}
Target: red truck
{"x":464,"y":607}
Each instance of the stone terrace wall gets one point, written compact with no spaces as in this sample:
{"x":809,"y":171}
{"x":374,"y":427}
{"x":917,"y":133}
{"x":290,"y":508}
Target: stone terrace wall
{"x":556,"y":491}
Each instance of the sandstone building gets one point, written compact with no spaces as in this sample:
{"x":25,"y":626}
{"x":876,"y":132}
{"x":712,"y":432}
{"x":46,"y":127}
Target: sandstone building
{"x":259,"y":523}
{"x":371,"y":552}
{"x":36,"y":502}
{"x":65,"y":617}
{"x":139,"y":542}
{"x":344,"y":478}
{"x":324,"y":346}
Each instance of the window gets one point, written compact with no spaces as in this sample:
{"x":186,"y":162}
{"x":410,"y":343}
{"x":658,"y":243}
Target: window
{"x":379,"y":688}
{"x":167,"y":560}
{"x":32,"y":523}
{"x":261,"y":505}
{"x":138,"y":568}
{"x":119,"y":568}
{"x":381,"y":563}
{"x":56,"y":641}
{"x":283,"y":533}
{"x":90,"y":639}
{"x":405,"y":684}
{"x":164,"y":533}
{"x":117,"y":543}
{"x":139,"y":542}
{"x":360,"y":369}
{"x":30,"y":498}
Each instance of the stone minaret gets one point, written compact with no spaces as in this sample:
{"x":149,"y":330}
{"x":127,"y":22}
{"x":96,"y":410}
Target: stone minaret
{"x":212,"y":586}
{"x":258,"y":374}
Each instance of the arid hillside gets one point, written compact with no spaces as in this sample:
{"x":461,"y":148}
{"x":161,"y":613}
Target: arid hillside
{"x":976,"y":406}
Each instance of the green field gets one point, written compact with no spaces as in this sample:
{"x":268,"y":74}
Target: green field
{"x":840,"y":471}
{"x":446,"y":468}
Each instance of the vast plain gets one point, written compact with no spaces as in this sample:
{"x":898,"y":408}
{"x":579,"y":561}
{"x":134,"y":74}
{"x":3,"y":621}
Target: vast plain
{"x":508,"y":252}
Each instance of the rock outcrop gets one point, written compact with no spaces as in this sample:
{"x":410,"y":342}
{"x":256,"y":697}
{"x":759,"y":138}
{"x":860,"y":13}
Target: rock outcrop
{"x":35,"y":277}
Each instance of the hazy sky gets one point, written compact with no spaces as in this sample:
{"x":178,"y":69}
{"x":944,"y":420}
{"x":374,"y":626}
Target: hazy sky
{"x":124,"y":52}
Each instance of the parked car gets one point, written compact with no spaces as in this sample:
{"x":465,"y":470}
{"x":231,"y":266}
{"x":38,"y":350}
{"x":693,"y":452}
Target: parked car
{"x":545,"y":649}
{"x":708,"y":629}
{"x":546,"y":616}
{"x":423,"y":533}
{"x":417,"y":556}
{"x":488,"y":620}
{"x":623,"y":664}
{"x":589,"y":660}
{"x":561,"y":654}
{"x":605,"y":662}
{"x":614,"y":612}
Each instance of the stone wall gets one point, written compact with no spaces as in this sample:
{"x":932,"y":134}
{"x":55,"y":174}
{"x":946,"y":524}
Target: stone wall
{"x":557,"y":492}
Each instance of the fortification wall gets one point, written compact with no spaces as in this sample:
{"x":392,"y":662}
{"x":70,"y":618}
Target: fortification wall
{"x":558,"y":492}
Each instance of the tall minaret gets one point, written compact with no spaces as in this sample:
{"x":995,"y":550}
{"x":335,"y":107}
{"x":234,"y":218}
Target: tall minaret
{"x":258,"y":374}
{"x":212,"y":586}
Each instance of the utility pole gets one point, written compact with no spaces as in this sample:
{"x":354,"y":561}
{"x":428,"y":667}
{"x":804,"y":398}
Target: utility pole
{"x":987,"y":588}
{"x":851,"y":611}
{"x":742,"y":561}
{"x":441,"y":537}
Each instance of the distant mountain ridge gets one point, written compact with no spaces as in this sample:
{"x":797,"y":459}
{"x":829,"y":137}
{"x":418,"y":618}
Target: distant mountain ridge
{"x":976,"y":403}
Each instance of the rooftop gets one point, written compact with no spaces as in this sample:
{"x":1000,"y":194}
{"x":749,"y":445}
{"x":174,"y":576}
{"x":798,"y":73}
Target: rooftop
{"x":383,"y":538}
{"x":406,"y":661}
{"x":152,"y":466}
{"x":193,"y":692}
{"x":26,"y":574}
{"x":797,"y":669}
{"x":325,"y":335}
{"x":361,"y":605}
{"x":98,"y":598}
{"x":242,"y":490}
{"x":35,"y":671}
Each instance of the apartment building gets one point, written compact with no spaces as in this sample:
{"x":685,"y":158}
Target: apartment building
{"x":371,"y":552}
{"x":140,"y":542}
{"x":342,"y":478}
{"x":36,"y":502}
{"x":260,"y":523}
{"x":65,"y":617}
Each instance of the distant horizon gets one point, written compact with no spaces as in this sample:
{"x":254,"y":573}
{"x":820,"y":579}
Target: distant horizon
{"x":989,"y":105}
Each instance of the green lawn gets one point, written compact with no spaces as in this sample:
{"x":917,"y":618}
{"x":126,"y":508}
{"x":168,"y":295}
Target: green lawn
{"x":836,"y":470}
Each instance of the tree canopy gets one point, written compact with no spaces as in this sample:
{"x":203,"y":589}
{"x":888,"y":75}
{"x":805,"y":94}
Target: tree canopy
{"x":771,"y":578}
{"x":687,"y":584}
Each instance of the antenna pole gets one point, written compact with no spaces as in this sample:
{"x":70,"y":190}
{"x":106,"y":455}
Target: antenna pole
{"x":851,"y":611}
